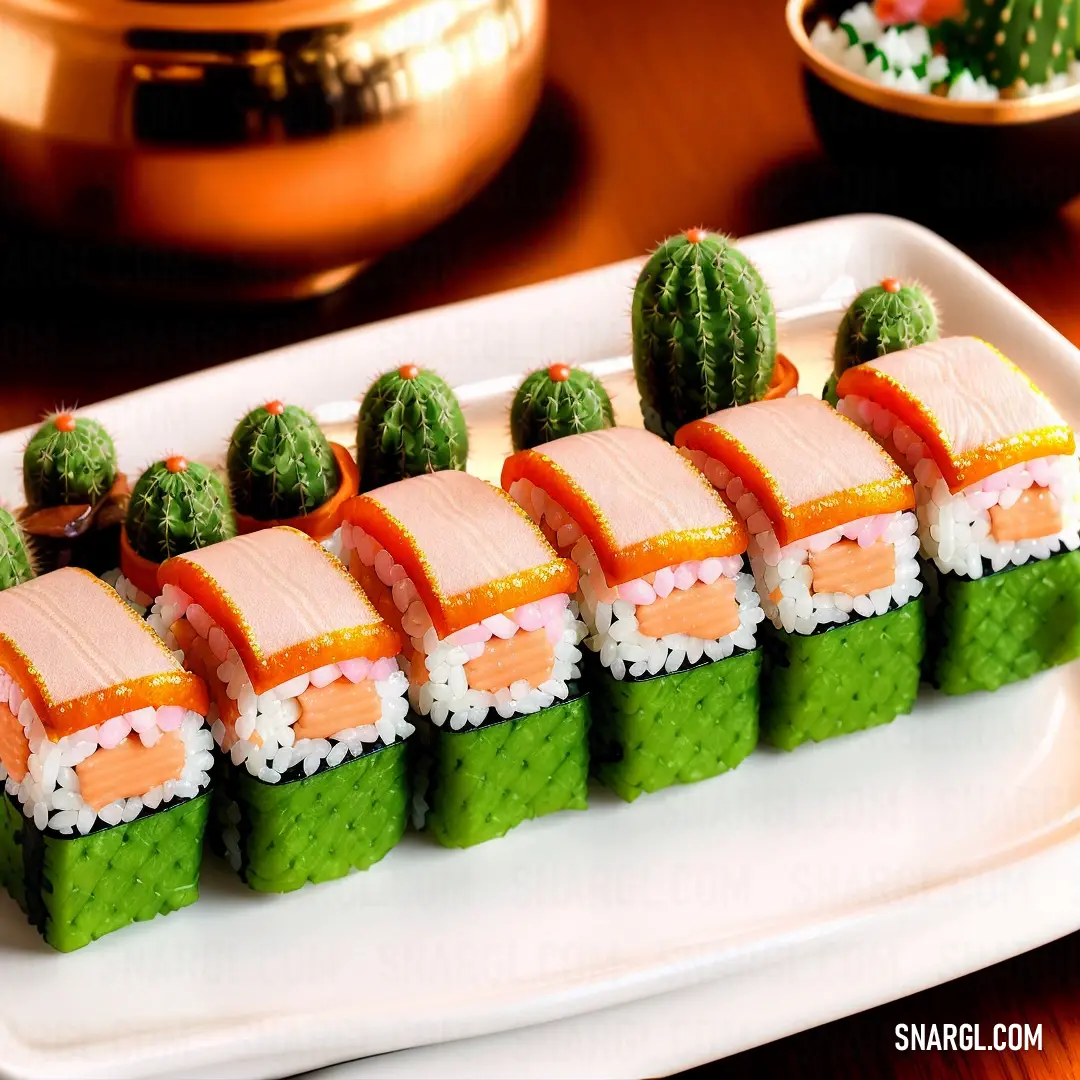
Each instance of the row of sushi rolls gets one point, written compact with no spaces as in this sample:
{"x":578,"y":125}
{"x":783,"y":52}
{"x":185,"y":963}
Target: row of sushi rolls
{"x":295,"y":657}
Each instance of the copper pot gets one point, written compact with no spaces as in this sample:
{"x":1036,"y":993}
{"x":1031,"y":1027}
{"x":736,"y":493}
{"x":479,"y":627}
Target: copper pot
{"x":276,"y":145}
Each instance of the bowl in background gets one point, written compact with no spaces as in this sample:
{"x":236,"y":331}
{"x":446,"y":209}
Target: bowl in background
{"x":965,"y":158}
{"x":266,"y":148}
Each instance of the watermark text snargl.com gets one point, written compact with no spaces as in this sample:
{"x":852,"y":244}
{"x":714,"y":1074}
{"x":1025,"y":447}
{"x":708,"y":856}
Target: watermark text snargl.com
{"x":998,"y":1037}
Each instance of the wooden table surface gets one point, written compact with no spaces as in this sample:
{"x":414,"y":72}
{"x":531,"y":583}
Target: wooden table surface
{"x":657,"y":116}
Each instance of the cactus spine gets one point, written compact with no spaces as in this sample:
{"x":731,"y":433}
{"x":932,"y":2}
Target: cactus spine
{"x":68,"y":461}
{"x":178,"y":506}
{"x":1021,"y":42}
{"x":280,"y":464}
{"x":558,"y":401}
{"x":15,"y":563}
{"x":410,"y":423}
{"x":882,"y":319}
{"x":704,"y":331}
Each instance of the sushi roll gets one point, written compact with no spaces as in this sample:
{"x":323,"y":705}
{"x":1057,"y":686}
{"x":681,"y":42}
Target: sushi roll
{"x":670,"y":610}
{"x":105,"y":759}
{"x":998,"y":490}
{"x":284,"y":471}
{"x":491,"y":648}
{"x":76,"y":497}
{"x":308,"y":708}
{"x":834,"y":554}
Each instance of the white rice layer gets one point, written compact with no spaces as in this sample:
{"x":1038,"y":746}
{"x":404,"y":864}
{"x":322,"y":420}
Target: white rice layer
{"x":50,"y":792}
{"x":272,"y":714}
{"x":611,"y":614}
{"x":955,"y":529}
{"x":446,"y":696}
{"x":801,"y":610}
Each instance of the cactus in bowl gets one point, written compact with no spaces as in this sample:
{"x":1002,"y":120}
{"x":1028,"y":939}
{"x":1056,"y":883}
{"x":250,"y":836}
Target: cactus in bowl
{"x":1021,"y":42}
{"x":280,"y":464}
{"x":704,"y":331}
{"x":882,"y":319}
{"x":410,"y":423}
{"x":16,"y":566}
{"x":178,"y":506}
{"x":69,"y":461}
{"x":556,"y":401}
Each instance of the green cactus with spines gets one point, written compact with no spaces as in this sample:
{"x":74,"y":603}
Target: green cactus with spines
{"x":410,"y":423}
{"x":882,"y":319}
{"x":704,"y":331}
{"x":280,"y":464}
{"x":178,"y":506}
{"x":557,"y":401}
{"x":70,"y":460}
{"x":16,"y":566}
{"x":1021,"y":42}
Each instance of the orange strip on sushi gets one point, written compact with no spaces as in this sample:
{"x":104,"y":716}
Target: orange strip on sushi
{"x":325,"y":710}
{"x":975,"y":410}
{"x":527,"y":655}
{"x":468,"y":548}
{"x":639,"y":502}
{"x":322,"y":521}
{"x":809,"y":468}
{"x":704,"y":611}
{"x":1034,"y":515}
{"x":845,"y":567}
{"x":82,"y":656}
{"x":14,"y":749}
{"x":284,"y":602}
{"x":130,"y":769}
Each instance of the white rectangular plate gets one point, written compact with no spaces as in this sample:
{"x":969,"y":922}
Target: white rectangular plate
{"x":692,"y":924}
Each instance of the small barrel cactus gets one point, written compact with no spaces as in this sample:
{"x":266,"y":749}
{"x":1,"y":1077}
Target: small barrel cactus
{"x":410,"y":423}
{"x":280,"y":464}
{"x":1021,"y":43}
{"x":16,"y":565}
{"x":882,"y":319}
{"x":69,"y":461}
{"x":704,"y":331}
{"x":557,"y":401}
{"x":178,"y":506}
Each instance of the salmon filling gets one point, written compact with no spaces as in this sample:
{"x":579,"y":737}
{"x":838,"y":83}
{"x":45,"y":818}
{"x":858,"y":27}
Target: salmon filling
{"x":528,"y":656}
{"x":1034,"y":515}
{"x":130,"y":769}
{"x":14,"y":749}
{"x":702,"y":611}
{"x":379,"y":594}
{"x":848,"y":568}
{"x":326,"y":710}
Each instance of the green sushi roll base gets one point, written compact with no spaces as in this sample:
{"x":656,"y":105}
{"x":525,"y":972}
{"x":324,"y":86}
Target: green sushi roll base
{"x":849,"y":678}
{"x":77,"y":889}
{"x":1004,"y":627}
{"x":320,"y":828}
{"x":480,"y":784}
{"x":650,"y":734}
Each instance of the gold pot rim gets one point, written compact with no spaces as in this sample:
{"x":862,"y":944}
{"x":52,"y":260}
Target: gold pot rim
{"x":925,"y":106}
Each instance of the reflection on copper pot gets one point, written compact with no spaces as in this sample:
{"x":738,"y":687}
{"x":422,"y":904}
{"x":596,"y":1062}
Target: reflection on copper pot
{"x":291,"y":140}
